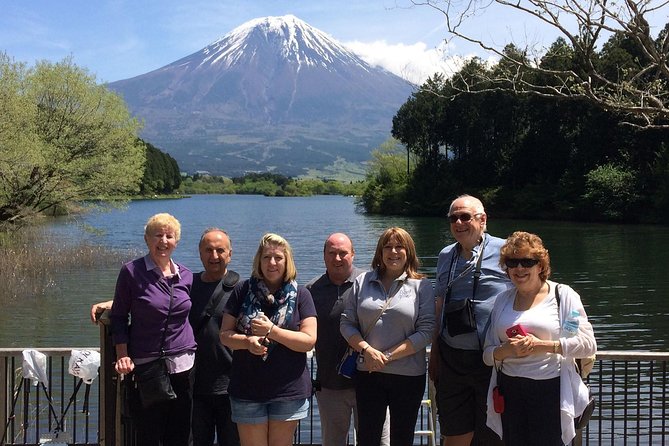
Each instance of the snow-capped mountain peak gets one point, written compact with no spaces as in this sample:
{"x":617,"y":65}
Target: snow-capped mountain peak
{"x":294,"y":39}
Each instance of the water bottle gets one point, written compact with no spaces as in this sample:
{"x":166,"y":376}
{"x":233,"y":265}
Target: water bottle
{"x":570,"y":326}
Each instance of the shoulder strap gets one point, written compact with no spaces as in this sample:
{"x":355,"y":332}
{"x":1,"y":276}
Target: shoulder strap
{"x":578,"y":361}
{"x":477,"y":271}
{"x":378,"y":316}
{"x":161,"y":350}
{"x":557,"y":297}
{"x":229,"y":281}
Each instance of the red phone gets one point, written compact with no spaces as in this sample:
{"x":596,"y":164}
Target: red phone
{"x":515,"y":331}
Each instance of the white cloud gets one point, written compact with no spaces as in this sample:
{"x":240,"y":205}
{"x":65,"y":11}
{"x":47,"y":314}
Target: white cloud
{"x":414,"y":63}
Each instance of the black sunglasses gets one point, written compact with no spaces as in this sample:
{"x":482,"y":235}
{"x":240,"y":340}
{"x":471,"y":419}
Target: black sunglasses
{"x":453,"y":218}
{"x":526,"y":263}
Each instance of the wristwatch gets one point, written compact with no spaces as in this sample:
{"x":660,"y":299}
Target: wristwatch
{"x":389,"y":355}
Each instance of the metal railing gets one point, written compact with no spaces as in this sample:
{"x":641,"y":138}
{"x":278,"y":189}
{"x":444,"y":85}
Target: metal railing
{"x":62,"y":410}
{"x":630,"y":388}
{"x":631,"y":392}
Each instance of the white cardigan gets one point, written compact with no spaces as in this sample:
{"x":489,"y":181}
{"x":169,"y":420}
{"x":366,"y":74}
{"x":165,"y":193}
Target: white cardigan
{"x":574,"y":394}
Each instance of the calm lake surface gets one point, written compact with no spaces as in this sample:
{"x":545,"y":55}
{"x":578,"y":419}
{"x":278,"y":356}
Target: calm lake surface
{"x":620,"y":271}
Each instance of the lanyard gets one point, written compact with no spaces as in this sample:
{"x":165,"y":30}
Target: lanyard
{"x":477,"y":271}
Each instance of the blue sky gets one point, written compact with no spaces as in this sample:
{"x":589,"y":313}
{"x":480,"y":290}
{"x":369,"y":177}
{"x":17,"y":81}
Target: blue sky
{"x":118,"y":39}
{"x":121,"y":39}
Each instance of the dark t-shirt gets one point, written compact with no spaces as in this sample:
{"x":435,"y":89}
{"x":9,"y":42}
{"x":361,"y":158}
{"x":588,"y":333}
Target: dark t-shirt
{"x":284,"y":376}
{"x":212,"y":360}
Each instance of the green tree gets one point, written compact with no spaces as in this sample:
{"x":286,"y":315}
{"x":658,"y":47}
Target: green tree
{"x":611,"y":191}
{"x":385,"y":192}
{"x":161,"y":174}
{"x":63,"y":138}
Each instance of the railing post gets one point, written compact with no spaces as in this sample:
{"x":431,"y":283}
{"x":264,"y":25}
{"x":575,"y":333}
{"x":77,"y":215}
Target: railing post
{"x":5,"y":396}
{"x":108,"y":380}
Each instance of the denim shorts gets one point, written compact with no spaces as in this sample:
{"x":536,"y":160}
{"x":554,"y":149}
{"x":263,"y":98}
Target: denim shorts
{"x":254,"y":412}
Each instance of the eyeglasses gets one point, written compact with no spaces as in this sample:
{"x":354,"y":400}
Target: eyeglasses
{"x":525,"y":263}
{"x":465,"y":217}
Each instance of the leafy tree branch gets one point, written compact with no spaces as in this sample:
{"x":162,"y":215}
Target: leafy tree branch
{"x":637,"y":87}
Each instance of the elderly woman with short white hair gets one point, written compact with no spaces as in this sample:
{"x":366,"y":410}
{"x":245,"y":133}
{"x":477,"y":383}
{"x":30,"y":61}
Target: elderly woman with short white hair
{"x":152,"y":294}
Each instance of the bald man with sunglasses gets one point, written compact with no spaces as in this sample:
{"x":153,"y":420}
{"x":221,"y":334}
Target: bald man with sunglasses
{"x":469,"y":278}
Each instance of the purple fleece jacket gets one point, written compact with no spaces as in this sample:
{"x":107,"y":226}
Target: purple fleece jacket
{"x":142,"y":297}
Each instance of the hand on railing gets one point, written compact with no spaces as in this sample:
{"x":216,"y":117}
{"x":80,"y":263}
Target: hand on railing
{"x":98,"y":309}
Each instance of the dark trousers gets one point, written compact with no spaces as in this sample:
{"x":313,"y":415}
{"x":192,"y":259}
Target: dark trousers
{"x":164,"y":424}
{"x":531,"y":412}
{"x":212,"y":414}
{"x":374,"y":393}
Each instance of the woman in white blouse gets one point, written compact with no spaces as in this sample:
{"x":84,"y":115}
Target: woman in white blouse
{"x":532,"y":353}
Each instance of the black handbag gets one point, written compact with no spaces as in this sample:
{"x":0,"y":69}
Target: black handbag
{"x":153,"y":379}
{"x":459,"y":315}
{"x":153,"y":383}
{"x":582,"y":420}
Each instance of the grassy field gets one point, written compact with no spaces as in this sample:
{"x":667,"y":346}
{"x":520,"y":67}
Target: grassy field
{"x":340,"y":170}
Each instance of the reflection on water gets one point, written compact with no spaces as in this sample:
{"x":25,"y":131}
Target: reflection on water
{"x":618,"y":270}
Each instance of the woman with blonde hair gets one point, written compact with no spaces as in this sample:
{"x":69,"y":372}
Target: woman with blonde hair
{"x":389,"y":319}
{"x":537,"y":329}
{"x":270,"y":324}
{"x":152,"y":293}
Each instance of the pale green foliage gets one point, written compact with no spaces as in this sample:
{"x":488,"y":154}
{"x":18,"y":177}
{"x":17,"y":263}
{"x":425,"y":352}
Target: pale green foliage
{"x":63,"y":138}
{"x":386,"y":180}
{"x":611,"y":190}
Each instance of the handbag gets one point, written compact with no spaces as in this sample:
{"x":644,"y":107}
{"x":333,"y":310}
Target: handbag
{"x":582,"y":420}
{"x":153,"y":382}
{"x":459,"y":317}
{"x":153,"y":379}
{"x":348,"y":364}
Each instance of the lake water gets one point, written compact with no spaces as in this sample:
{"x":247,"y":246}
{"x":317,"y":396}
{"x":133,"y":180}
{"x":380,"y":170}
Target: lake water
{"x":620,"y":271}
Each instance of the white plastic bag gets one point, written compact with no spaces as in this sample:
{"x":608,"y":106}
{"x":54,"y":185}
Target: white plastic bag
{"x":34,"y":366}
{"x":84,"y":364}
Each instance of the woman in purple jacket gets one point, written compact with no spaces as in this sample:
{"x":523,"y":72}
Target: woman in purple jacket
{"x":153,"y":293}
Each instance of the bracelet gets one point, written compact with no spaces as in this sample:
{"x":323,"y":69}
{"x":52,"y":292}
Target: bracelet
{"x":270,"y":330}
{"x":364,"y":349}
{"x":556,"y":345}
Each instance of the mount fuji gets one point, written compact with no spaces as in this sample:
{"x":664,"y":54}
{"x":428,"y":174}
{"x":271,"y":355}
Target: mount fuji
{"x":274,"y":94}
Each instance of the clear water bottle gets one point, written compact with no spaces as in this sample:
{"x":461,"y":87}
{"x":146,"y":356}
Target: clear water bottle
{"x":570,"y":326}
